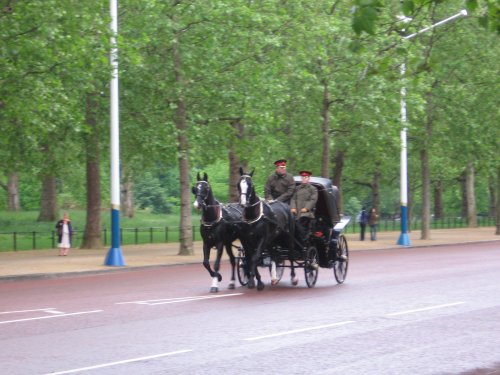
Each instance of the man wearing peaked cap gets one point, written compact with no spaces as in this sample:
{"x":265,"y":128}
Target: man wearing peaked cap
{"x":303,"y":202}
{"x":280,"y":185}
{"x":280,"y":163}
{"x":305,"y":197}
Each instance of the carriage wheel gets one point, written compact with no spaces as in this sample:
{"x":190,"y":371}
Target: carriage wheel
{"x":342,"y":261}
{"x":280,"y":268}
{"x":311,"y":266}
{"x":241,"y":264}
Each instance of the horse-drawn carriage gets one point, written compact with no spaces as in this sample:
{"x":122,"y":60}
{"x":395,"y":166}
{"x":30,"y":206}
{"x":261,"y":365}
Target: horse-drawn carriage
{"x":320,"y":245}
{"x":268,"y":235}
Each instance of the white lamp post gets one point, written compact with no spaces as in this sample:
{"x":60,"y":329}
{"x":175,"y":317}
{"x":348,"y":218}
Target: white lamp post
{"x":114,"y":256}
{"x":404,"y":239}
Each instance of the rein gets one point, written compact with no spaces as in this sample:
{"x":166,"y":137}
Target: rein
{"x":218,"y":213}
{"x":261,"y":213}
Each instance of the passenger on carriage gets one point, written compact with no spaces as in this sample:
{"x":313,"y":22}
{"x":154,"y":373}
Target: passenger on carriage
{"x":280,"y":186}
{"x":303,"y":202}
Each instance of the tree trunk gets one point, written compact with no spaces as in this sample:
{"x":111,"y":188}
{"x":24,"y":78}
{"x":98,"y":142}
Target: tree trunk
{"x":438,"y":200}
{"x":376,"y":188}
{"x":325,"y":131}
{"x":92,"y":234}
{"x":498,"y":202}
{"x":410,"y":206}
{"x":48,"y":206}
{"x":471,"y":196}
{"x":234,"y":161}
{"x":338,"y":169}
{"x":426,"y":195}
{"x":128,"y":196}
{"x":13,"y":196}
{"x":425,"y":233}
{"x":186,"y":231}
{"x":492,"y":212}
{"x":463,"y":191}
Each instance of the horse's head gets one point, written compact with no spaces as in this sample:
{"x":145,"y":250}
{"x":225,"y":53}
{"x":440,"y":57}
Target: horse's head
{"x":201,"y":191}
{"x":245,"y":188}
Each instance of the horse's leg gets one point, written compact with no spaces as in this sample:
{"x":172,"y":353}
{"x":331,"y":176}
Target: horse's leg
{"x":206,"y":258}
{"x":260,"y":284}
{"x":255,"y":260}
{"x":274,"y":276}
{"x":294,"y":278}
{"x":216,"y":275}
{"x":251,"y":267}
{"x":229,"y":250}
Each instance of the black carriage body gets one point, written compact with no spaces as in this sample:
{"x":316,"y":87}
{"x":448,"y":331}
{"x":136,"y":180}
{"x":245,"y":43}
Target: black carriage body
{"x":323,"y":236}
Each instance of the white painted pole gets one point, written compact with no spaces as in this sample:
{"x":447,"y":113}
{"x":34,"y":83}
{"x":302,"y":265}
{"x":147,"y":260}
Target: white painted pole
{"x":404,"y":238}
{"x":114,"y":256}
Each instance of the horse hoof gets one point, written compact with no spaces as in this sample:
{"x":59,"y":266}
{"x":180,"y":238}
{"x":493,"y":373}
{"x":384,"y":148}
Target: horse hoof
{"x":295,"y":281}
{"x":260,"y":286}
{"x":214,"y":289}
{"x":251,"y":285}
{"x":231,"y":286}
{"x":275,"y":281}
{"x":219,"y":276}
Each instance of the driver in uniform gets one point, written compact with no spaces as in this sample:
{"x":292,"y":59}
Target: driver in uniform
{"x":303,"y":202}
{"x":280,"y":186}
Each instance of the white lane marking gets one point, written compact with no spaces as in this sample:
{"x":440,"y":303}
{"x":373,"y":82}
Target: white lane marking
{"x":119,"y":362}
{"x":300,"y":330}
{"x":50,"y":316}
{"x":425,"y":309}
{"x":52,"y":311}
{"x":24,"y":311}
{"x":153,"y":302}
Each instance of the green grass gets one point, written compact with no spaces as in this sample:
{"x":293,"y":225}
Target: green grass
{"x":145,"y":227}
{"x":26,"y":221}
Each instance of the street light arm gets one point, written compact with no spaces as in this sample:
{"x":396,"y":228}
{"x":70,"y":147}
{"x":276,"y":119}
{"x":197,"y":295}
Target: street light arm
{"x":462,"y":13}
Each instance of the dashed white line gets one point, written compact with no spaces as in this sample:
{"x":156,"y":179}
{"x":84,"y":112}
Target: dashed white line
{"x":52,"y":311}
{"x":24,"y":311}
{"x":50,"y":316}
{"x":425,"y":309}
{"x":119,"y":362}
{"x":300,"y":330}
{"x":153,"y":302}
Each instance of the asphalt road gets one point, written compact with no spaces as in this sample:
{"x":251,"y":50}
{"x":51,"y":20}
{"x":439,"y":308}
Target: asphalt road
{"x":404,"y":311}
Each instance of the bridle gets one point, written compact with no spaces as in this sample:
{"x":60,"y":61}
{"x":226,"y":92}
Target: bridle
{"x":248,"y":195}
{"x":248,"y":192}
{"x":217,"y":207}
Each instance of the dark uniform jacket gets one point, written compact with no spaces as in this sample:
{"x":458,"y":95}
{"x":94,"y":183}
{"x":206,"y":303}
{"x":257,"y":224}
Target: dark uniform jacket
{"x":279,"y":187}
{"x":305,"y":196}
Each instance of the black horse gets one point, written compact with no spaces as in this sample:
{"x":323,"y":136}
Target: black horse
{"x":219,"y":228}
{"x":265,"y":225}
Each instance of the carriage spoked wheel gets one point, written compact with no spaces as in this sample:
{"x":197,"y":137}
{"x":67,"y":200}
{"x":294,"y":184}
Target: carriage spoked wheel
{"x":241,"y":264}
{"x":342,"y":262}
{"x":311,"y":266}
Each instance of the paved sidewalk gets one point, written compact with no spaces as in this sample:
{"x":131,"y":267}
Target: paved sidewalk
{"x":47,"y":263}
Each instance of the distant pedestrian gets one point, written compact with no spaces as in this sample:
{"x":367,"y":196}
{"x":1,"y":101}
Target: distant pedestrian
{"x":362,"y":219}
{"x":64,"y":235}
{"x":372,"y":222}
